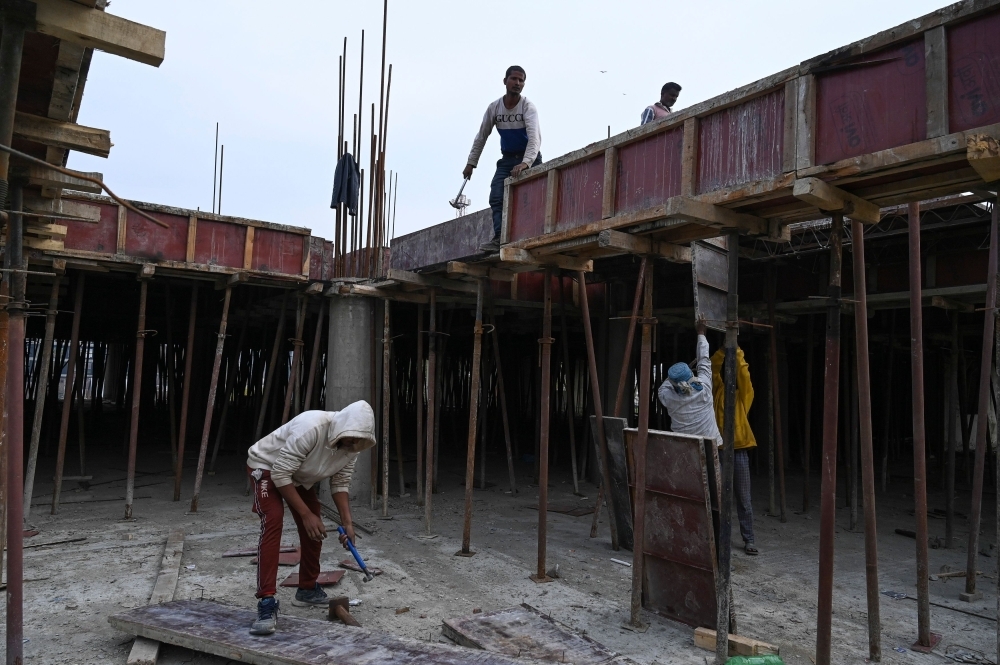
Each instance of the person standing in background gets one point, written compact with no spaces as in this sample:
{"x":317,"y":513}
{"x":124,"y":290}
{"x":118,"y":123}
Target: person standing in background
{"x":663,"y":108}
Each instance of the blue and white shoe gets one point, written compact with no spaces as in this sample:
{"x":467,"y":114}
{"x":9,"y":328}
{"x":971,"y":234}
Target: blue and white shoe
{"x":267,"y":616}
{"x":314,"y":596}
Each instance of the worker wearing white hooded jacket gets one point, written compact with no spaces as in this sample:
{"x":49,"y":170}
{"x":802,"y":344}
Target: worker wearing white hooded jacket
{"x":288,"y":466}
{"x":687,"y":395}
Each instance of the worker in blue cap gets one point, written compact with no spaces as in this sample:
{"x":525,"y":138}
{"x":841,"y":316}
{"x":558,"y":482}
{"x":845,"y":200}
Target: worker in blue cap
{"x":687,"y":394}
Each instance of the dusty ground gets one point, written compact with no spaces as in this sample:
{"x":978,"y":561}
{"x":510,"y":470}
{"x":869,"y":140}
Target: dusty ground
{"x":73,"y":587}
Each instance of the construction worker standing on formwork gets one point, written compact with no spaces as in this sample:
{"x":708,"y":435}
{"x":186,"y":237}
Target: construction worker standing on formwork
{"x":743,"y":439}
{"x":516,"y":120}
{"x":687,"y":395}
{"x":288,"y":466}
{"x":663,"y":108}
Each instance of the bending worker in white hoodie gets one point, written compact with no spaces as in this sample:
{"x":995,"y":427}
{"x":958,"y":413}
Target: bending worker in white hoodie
{"x":288,"y":466}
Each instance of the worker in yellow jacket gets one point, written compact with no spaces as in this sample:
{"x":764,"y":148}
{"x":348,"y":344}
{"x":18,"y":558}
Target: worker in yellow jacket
{"x":743,"y":440}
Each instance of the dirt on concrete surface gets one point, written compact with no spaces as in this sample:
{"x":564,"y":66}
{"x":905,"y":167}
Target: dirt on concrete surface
{"x":71,"y":588}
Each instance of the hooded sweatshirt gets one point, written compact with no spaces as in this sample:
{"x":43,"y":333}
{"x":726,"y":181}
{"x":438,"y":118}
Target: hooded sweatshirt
{"x":305,"y":450}
{"x":693,"y":414}
{"x":744,"y":437}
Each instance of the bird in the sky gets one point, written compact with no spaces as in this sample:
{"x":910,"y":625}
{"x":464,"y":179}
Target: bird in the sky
{"x":604,"y":71}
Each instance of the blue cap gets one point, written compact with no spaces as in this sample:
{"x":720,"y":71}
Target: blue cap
{"x":679,"y":372}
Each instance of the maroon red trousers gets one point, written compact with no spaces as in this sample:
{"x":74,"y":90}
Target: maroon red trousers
{"x":269,"y":505}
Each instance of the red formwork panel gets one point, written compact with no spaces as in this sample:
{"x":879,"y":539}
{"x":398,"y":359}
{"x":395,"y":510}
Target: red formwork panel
{"x":531,"y":288}
{"x":500,"y":289}
{"x":649,"y":171}
{"x":149,"y":241}
{"x":742,"y":143}
{"x":277,"y":251}
{"x":220,"y":244}
{"x":872,"y":103}
{"x":581,"y":194}
{"x":526,"y":210}
{"x":961,"y":268}
{"x":91,"y":237}
{"x":974,"y":73}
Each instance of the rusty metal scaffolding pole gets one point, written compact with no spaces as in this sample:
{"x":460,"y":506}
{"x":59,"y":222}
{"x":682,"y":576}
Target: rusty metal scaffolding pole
{"x":272,"y":370}
{"x":470,"y":455}
{"x":925,"y":639}
{"x":807,"y":426}
{"x":982,"y":440}
{"x":639,"y":455}
{"x":828,"y":473}
{"x":314,"y":358}
{"x":545,"y":358}
{"x":133,"y":432}
{"x":297,"y":343}
{"x":41,"y":392}
{"x":779,"y":441}
{"x":723,"y":592}
{"x":570,"y":407}
{"x":210,"y":407}
{"x":429,"y":436}
{"x":185,"y":393}
{"x":595,"y":392}
{"x":74,"y":337}
{"x":386,"y":403}
{"x":502,"y":399}
{"x":867,"y":453}
{"x":15,"y":431}
{"x":418,"y":400}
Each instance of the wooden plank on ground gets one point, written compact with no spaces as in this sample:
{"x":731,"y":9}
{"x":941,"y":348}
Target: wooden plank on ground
{"x":739,"y":645}
{"x":146,"y":651}
{"x":524,"y":631}
{"x":221,"y":630}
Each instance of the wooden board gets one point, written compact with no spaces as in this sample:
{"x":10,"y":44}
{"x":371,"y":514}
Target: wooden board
{"x":710,"y":276}
{"x":524,"y":631}
{"x":146,"y":651}
{"x":222,"y":630}
{"x":739,"y":645}
{"x":327,"y":578}
{"x":621,"y":498}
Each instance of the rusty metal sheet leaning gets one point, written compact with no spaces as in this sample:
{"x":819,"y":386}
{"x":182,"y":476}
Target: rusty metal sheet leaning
{"x":710,"y":274}
{"x":680,"y":553}
{"x":221,"y":630}
{"x":620,"y":497}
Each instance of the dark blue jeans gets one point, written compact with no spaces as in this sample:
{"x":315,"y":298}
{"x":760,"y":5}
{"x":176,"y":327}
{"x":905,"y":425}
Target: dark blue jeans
{"x":504,"y":166}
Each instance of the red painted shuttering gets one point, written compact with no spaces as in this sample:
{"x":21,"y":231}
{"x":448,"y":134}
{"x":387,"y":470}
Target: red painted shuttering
{"x":874,"y":103}
{"x":145,"y":239}
{"x":974,"y":73}
{"x":90,"y":237}
{"x":276,"y":251}
{"x":649,"y":171}
{"x":742,"y":143}
{"x":219,"y":244}
{"x":581,"y":194}
{"x":526,"y":214}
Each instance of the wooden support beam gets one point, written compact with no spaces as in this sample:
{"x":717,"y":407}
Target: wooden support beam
{"x":82,"y":25}
{"x":44,"y":177}
{"x":610,"y":182}
{"x":789,"y":126}
{"x":456,"y":268}
{"x":407,"y":277}
{"x":145,"y":651}
{"x":829,"y":198}
{"x":689,"y":158}
{"x":192,"y":237}
{"x":983,"y":153}
{"x":936,"y":76}
{"x":551,"y":200}
{"x":699,"y":212}
{"x":805,"y":122}
{"x":371,"y":292}
{"x":739,"y":645}
{"x":59,"y":134}
{"x":523,"y":256}
{"x":146,"y":271}
{"x":314,"y":289}
{"x":122,"y":229}
{"x":643,"y":245}
{"x":942,"y":302}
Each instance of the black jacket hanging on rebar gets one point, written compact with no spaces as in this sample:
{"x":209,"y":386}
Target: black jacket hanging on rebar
{"x":346,"y":181}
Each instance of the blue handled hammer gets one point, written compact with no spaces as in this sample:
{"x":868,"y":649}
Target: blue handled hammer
{"x":357,"y":557}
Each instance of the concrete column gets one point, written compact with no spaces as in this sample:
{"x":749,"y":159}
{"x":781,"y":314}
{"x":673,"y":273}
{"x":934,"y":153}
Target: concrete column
{"x":348,"y":372}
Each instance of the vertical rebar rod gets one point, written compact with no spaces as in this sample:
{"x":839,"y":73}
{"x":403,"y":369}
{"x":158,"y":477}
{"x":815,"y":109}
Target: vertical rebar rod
{"x":502,"y":399}
{"x":210,"y":406}
{"x":222,"y":163}
{"x":431,"y":380}
{"x":723,"y":592}
{"x":386,"y":403}
{"x":418,"y":400}
{"x":919,"y":437}
{"x":639,"y":455}
{"x":543,"y":448}
{"x":595,"y":393}
{"x":215,"y":165}
{"x":67,"y":405}
{"x":779,"y":441}
{"x":470,"y":454}
{"x":807,"y":426}
{"x":564,"y":343}
{"x":828,"y":475}
{"x":186,"y":392}
{"x":982,"y":440}
{"x":293,"y":374}
{"x":41,"y":393}
{"x":867,"y":452}
{"x":133,"y":432}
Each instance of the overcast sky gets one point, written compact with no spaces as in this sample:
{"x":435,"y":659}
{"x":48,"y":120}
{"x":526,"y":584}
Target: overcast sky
{"x":267,"y":72}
